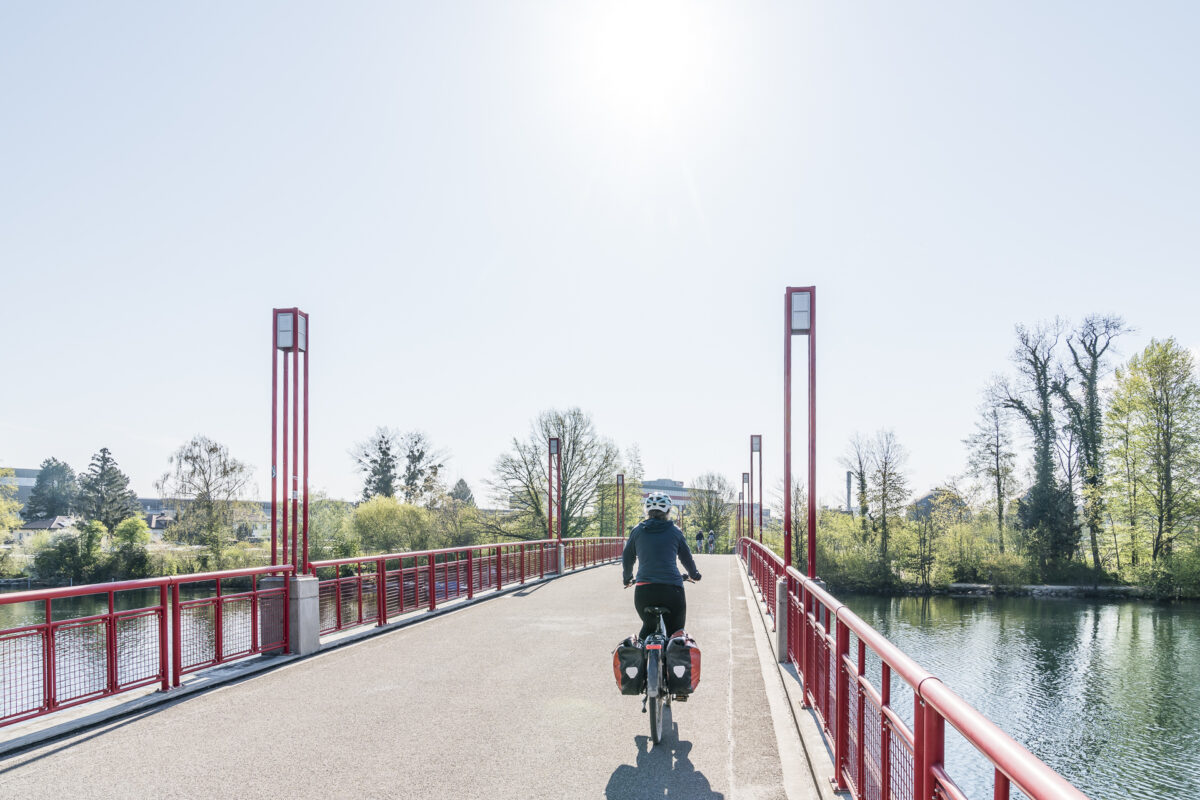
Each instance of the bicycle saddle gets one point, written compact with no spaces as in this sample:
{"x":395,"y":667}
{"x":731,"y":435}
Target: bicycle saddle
{"x":659,"y":610}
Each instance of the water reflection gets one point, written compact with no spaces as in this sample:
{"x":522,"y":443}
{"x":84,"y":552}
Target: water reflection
{"x":1106,"y":693}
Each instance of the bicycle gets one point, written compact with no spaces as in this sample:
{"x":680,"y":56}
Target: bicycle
{"x":657,"y":697}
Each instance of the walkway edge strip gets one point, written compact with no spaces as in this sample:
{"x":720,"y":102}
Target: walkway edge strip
{"x":816,"y":751}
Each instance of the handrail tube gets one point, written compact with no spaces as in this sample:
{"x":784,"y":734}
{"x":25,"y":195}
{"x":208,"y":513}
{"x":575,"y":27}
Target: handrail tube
{"x":336,"y":562}
{"x":1024,"y":769}
{"x":60,"y":592}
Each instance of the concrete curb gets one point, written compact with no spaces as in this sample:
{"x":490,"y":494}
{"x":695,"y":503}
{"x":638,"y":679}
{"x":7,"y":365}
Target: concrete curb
{"x":42,"y":730}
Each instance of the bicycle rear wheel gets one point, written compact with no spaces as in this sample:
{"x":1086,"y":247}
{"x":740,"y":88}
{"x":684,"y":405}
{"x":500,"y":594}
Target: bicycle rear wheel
{"x":655,"y":693}
{"x":657,"y":708}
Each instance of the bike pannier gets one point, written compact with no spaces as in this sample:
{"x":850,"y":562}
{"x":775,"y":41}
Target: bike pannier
{"x":683,"y":663}
{"x":629,"y":666}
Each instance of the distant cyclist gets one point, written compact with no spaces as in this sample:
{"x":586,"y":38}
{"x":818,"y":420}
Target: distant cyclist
{"x":712,"y":542}
{"x":656,"y":544}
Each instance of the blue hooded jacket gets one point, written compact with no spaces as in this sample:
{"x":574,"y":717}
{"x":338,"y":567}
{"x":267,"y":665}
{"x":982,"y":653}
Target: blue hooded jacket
{"x":655,"y":544}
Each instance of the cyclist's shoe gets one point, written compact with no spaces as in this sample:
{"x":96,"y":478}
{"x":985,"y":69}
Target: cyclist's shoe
{"x":679,"y":698}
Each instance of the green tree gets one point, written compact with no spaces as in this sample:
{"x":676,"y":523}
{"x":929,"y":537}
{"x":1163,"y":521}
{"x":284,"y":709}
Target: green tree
{"x":1125,"y":458}
{"x":205,"y":484}
{"x":54,"y":491}
{"x":104,"y":493}
{"x":10,"y":517}
{"x":377,"y":458}
{"x":330,"y":534}
{"x":385,"y":525}
{"x":72,"y":555}
{"x":889,"y":485}
{"x":1167,"y":412}
{"x":712,"y":505}
{"x":992,"y":461}
{"x":129,"y":559}
{"x":462,"y":493}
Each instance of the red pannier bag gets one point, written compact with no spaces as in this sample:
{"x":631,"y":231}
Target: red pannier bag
{"x":629,"y":666}
{"x":683,"y":663}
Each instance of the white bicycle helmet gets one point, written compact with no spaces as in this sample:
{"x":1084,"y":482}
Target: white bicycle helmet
{"x":658,"y":501}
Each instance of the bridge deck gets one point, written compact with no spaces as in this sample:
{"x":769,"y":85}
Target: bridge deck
{"x":509,"y":698}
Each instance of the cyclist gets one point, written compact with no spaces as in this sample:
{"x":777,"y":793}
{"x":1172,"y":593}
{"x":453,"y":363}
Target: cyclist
{"x":656,"y":544}
{"x":712,"y":541}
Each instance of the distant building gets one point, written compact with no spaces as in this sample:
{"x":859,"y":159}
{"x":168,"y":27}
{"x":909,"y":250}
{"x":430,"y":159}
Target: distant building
{"x":24,"y":479}
{"x":52,"y":525}
{"x":679,"y":495}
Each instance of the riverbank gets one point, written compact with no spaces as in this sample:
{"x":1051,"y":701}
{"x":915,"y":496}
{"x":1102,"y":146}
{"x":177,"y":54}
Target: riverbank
{"x":1040,"y":590}
{"x":1102,"y":592}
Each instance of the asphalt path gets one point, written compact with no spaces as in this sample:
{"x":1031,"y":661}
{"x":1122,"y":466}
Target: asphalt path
{"x":511,"y":698}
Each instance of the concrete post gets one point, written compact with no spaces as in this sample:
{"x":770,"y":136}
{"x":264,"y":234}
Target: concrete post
{"x":304,"y":615}
{"x":781,"y":620}
{"x":562,"y":559}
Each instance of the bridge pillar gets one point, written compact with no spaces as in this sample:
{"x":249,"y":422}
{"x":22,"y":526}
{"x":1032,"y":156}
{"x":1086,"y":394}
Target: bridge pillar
{"x":562,"y":558}
{"x":781,"y":620}
{"x":304,"y":615}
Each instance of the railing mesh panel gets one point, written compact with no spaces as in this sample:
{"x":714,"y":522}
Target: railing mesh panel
{"x":80,"y":660}
{"x":872,"y":751}
{"x":197,"y":643}
{"x":900,"y":755}
{"x":236,"y":626}
{"x":22,"y":684}
{"x":271,"y":608}
{"x":137,"y":648}
{"x":327,"y":594}
{"x":852,"y":754}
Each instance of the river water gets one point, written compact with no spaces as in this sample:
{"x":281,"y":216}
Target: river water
{"x":1106,"y":693}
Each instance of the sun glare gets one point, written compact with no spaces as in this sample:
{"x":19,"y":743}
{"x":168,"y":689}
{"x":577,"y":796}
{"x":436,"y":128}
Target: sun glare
{"x":644,"y":59}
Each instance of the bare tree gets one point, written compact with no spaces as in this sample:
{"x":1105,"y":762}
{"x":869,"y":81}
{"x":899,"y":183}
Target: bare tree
{"x":1048,"y":514}
{"x":521,"y":480}
{"x":205,"y":484}
{"x":858,"y":461}
{"x":1088,"y":344}
{"x":377,"y":459}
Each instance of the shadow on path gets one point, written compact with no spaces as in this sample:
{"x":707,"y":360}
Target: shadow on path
{"x":661,"y":771}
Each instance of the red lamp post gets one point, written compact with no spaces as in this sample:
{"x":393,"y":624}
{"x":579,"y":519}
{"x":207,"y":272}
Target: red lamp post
{"x":800,"y":314}
{"x":621,"y":503}
{"x":553,"y":497}
{"x":756,"y":447}
{"x":289,"y":335}
{"x":748,"y":508}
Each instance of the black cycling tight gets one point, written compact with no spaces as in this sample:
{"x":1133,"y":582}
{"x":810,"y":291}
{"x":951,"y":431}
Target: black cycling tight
{"x":660,"y":594}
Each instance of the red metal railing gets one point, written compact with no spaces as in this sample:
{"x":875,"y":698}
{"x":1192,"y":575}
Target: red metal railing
{"x":59,"y":663}
{"x":349,"y":588}
{"x":876,"y":756}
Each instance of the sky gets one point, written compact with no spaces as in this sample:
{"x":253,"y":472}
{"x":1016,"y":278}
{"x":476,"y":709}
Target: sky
{"x":492,"y":209}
